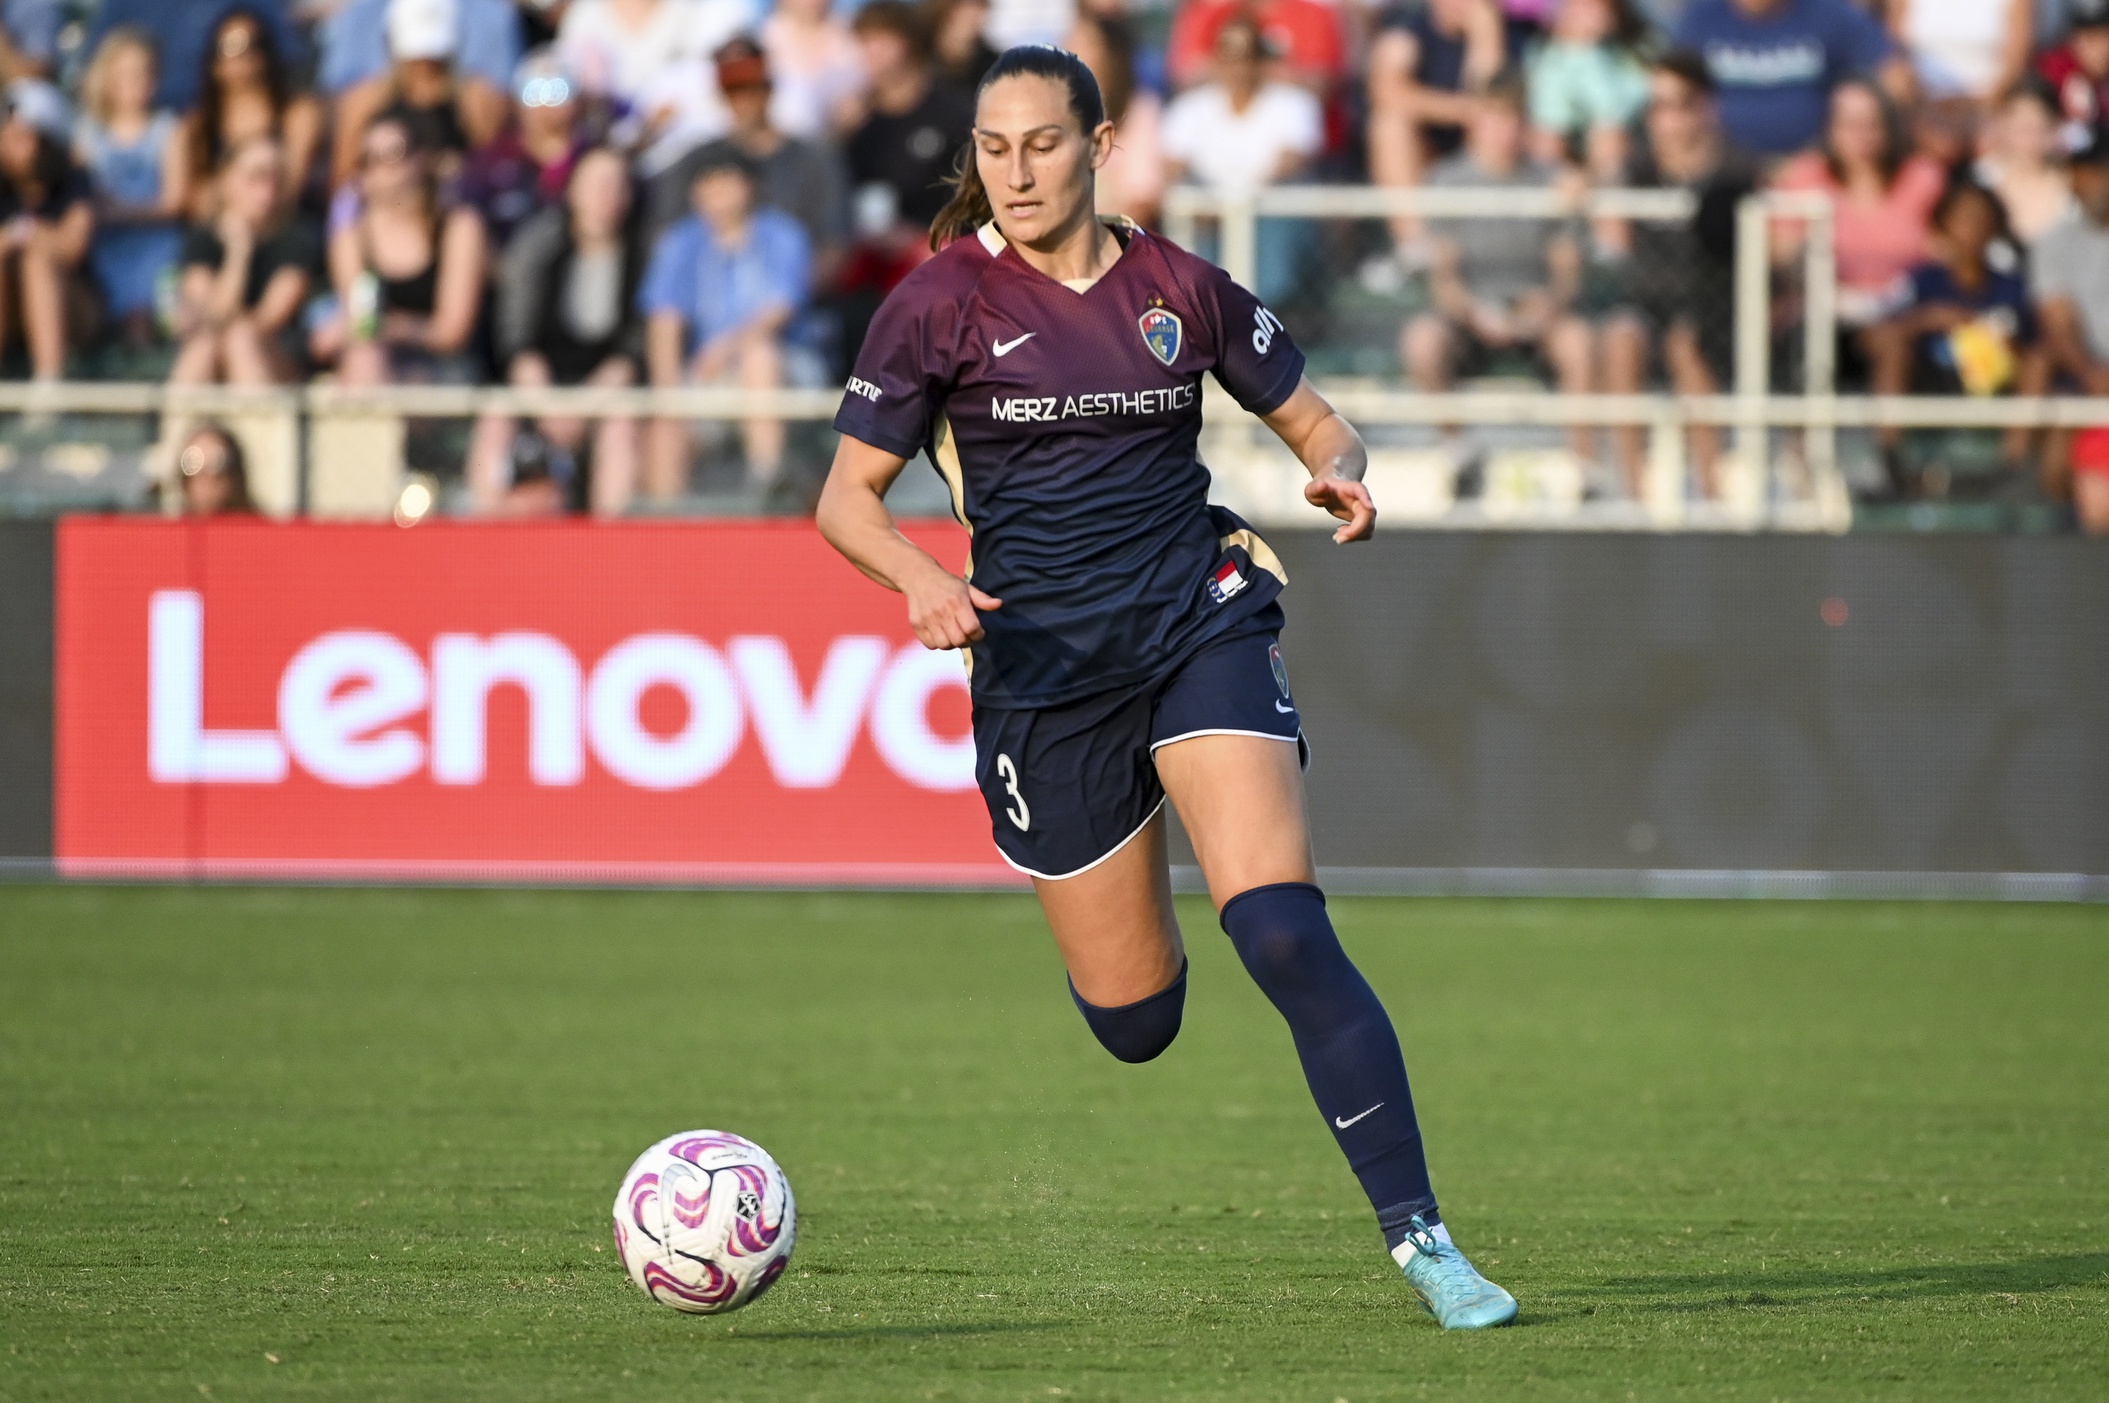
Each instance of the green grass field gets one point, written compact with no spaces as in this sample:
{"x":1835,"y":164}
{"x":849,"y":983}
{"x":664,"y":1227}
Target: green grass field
{"x":362,"y":1144}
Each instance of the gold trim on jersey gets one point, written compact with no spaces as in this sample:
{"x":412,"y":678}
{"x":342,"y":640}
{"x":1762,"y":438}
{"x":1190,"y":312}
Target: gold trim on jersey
{"x":944,"y":452}
{"x":1262,"y":554}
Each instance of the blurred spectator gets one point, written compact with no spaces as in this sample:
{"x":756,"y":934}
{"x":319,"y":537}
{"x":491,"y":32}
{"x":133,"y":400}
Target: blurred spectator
{"x":802,"y":178}
{"x":364,"y":66}
{"x":409,"y":275}
{"x":211,"y":475}
{"x":651,"y":59}
{"x":1588,"y":86}
{"x":958,"y":51}
{"x":1029,"y":21}
{"x":818,"y":70}
{"x":1131,"y":183}
{"x":1304,"y":34}
{"x":1775,"y":63}
{"x":1243,"y":131}
{"x":903,"y":153}
{"x":1678,"y":298}
{"x":29,"y":39}
{"x":1500,"y":284}
{"x":528,"y":165}
{"x":184,"y":33}
{"x":2069,"y":275}
{"x":720,"y":290}
{"x":47,"y":213}
{"x":1881,"y":196}
{"x":2023,"y":162}
{"x":135,"y":161}
{"x":566,"y":293}
{"x":2078,"y":70}
{"x":1427,"y":64}
{"x":245,"y":90}
{"x":446,"y":113}
{"x":1964,"y":54}
{"x":246,"y":277}
{"x":1967,"y":328}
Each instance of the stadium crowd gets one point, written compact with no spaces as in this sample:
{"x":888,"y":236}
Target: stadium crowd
{"x":665,"y":192}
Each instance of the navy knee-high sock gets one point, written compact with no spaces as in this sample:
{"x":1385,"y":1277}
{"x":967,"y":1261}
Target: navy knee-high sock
{"x":1345,"y":1040}
{"x":1138,"y":1031}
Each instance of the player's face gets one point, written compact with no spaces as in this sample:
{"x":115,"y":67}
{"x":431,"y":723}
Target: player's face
{"x":1034,"y":159}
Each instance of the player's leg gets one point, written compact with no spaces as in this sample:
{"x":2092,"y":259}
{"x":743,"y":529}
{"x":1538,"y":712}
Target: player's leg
{"x":1120,"y":942}
{"x":1227,"y":738}
{"x":1074,"y":802}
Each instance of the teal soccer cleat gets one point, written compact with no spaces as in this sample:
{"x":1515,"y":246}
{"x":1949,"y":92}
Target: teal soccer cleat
{"x":1453,"y":1290}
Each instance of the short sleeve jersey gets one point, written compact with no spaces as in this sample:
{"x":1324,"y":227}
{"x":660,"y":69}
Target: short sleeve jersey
{"x":1066,"y":426}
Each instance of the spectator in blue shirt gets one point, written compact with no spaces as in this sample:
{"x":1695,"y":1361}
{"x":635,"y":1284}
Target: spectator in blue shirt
{"x":1774,"y":63}
{"x":29,"y":39}
{"x":722,"y":286}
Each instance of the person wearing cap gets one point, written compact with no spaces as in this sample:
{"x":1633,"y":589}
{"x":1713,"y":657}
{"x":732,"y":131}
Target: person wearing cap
{"x":801,"y":178}
{"x":649,"y":60}
{"x":566,"y":315}
{"x":2069,"y":278}
{"x":720,"y":290}
{"x":47,"y":217}
{"x":526,"y":167}
{"x":2078,"y":69}
{"x":428,"y":82}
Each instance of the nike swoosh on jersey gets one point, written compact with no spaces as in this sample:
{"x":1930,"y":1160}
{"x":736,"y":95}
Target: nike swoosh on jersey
{"x":1004,"y":348}
{"x":1285,"y":709}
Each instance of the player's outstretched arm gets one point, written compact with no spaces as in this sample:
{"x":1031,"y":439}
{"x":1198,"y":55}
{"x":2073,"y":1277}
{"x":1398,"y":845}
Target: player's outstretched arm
{"x":1328,"y":446}
{"x":942,"y":608}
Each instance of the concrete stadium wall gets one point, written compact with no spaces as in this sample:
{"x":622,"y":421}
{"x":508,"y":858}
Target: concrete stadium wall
{"x":1564,"y":701}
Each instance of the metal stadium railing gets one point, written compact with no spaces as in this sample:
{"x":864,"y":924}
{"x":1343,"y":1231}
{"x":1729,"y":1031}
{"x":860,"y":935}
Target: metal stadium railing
{"x":1783,"y":471}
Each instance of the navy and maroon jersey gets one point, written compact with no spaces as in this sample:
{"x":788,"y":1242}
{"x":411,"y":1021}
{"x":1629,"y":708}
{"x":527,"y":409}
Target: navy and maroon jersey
{"x":1065,"y":424}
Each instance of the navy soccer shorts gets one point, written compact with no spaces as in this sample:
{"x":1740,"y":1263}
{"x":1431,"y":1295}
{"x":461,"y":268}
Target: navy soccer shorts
{"x":1068,"y":786}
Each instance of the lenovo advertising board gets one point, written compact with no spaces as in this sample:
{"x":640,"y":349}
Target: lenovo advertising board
{"x":718,"y":702}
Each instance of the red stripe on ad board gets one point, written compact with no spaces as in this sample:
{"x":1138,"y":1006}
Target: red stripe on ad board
{"x":724,"y":702}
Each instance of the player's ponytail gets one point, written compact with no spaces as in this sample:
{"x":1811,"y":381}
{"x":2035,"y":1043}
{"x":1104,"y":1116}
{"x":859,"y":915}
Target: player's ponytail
{"x":969,"y":207}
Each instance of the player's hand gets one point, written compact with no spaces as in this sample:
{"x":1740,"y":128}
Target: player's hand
{"x":944,"y":610}
{"x":1348,"y":500}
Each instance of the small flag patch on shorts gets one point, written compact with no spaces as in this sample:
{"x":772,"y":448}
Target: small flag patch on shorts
{"x":1225,"y":582}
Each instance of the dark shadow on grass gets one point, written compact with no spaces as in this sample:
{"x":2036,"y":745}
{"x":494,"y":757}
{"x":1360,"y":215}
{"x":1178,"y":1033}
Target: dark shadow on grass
{"x":895,"y":1332}
{"x":1743,"y":1288}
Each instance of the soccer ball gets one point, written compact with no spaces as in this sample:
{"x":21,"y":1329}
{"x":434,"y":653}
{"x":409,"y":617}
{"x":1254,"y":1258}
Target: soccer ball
{"x":704,"y":1222}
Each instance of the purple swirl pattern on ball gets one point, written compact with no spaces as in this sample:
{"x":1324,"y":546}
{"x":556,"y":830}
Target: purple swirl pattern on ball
{"x":686,"y":1209}
{"x":697,"y":1145}
{"x":642,"y":1194}
{"x":714,"y":1290}
{"x":769,"y":1275}
{"x":753,"y":1237}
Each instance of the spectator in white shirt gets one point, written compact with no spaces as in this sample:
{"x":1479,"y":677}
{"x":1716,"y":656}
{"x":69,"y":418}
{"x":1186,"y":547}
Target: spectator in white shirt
{"x":1243,"y":131}
{"x":651,"y":59}
{"x":817,"y":68}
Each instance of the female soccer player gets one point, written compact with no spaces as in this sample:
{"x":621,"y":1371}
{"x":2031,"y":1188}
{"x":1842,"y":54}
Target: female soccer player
{"x":1120,"y":631}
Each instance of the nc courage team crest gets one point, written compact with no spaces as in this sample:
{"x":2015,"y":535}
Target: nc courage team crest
{"x":1162,"y":333}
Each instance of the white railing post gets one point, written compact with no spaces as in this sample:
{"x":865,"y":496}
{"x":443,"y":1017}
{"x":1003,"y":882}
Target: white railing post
{"x":1820,"y":353}
{"x":1241,"y":242}
{"x":1753,"y":334}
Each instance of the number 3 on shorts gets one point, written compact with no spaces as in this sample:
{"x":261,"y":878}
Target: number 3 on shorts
{"x":1020,"y":816}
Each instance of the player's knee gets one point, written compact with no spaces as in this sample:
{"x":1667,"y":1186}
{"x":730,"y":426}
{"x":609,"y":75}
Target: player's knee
{"x":1282,"y":934}
{"x":1139,"y":1031}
